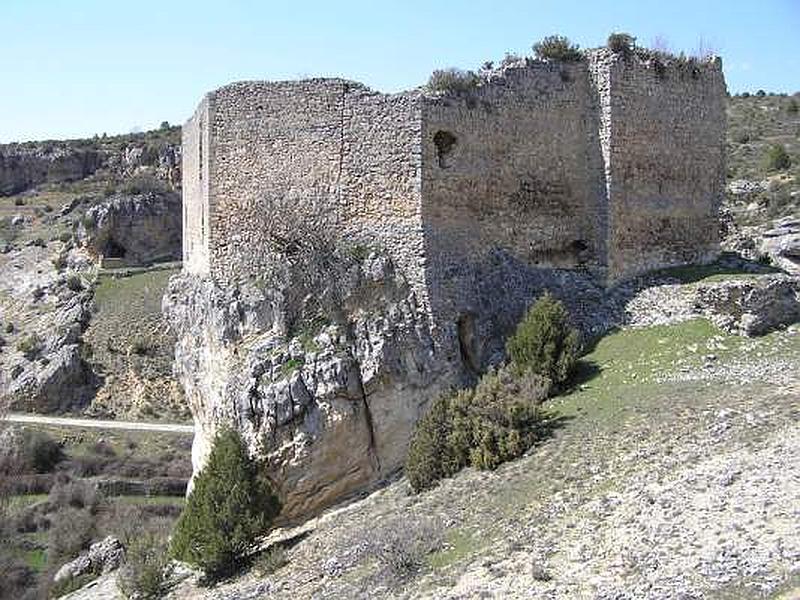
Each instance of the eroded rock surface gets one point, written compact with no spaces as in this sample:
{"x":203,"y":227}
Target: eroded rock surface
{"x":102,"y":557}
{"x":329,"y":409}
{"x":44,"y":313}
{"x":138,"y":229}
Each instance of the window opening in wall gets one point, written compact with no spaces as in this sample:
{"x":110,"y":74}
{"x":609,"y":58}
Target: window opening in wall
{"x":444,"y":142}
{"x":468,"y":342}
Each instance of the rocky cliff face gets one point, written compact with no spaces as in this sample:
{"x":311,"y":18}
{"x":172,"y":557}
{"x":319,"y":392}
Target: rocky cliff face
{"x":330,"y":409}
{"x":23,"y":166}
{"x":44,"y":313}
{"x":139,"y":229}
{"x":72,"y":201}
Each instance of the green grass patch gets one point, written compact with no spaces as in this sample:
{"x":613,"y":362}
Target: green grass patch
{"x":625,"y":367}
{"x":140,"y":292}
{"x":459,"y":544}
{"x":21,"y":502}
{"x":712,"y":272}
{"x":290,"y":366}
{"x":36,"y":559}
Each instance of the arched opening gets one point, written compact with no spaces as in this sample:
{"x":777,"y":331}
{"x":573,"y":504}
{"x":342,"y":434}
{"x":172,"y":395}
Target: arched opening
{"x":113,"y":249}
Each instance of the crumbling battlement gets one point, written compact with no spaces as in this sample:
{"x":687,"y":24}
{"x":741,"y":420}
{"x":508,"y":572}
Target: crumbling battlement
{"x":614,"y":165}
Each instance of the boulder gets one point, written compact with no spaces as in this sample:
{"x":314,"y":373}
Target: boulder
{"x":102,"y":557}
{"x":752,"y":306}
{"x":782,"y":243}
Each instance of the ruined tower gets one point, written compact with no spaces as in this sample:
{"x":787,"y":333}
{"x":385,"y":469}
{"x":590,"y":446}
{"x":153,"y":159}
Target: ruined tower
{"x":613,"y":165}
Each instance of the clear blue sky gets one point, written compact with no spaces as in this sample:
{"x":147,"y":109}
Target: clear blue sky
{"x":73,"y":68}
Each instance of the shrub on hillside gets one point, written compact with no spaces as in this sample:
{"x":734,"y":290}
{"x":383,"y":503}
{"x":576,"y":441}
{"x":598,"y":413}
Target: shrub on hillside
{"x":431,"y":454}
{"x":142,"y":183}
{"x":621,"y":42}
{"x":30,"y":346}
{"x":271,"y":560}
{"x":500,"y":420}
{"x":74,"y":283}
{"x":227,"y":509}
{"x":777,"y":158}
{"x":75,"y":494}
{"x":71,"y":531}
{"x":41,"y":452}
{"x":792,"y":107}
{"x":402,"y":548}
{"x":495,"y":422}
{"x":557,"y":47}
{"x":147,"y":566}
{"x":452,"y":81}
{"x":544,"y":342}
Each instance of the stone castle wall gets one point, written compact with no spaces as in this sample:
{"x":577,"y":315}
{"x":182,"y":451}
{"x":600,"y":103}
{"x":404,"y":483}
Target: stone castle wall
{"x":613,"y":165}
{"x":196,"y":208}
{"x":516,"y":168}
{"x":666,"y":162}
{"x":352,"y":155}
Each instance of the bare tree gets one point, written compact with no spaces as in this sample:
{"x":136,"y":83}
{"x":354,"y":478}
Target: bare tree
{"x":309,"y":266}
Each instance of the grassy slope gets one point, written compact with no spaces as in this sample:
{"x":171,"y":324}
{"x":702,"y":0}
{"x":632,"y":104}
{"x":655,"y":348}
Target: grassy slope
{"x":132,"y":348}
{"x":626,"y":405}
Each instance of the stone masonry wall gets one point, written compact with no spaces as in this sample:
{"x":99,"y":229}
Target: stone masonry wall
{"x":515,"y":167}
{"x":614,"y":165}
{"x":351,"y":152}
{"x":195,"y":166}
{"x":666,"y":162}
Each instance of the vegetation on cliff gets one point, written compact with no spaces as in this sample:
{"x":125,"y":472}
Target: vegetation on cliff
{"x":228,"y":508}
{"x":501,"y":417}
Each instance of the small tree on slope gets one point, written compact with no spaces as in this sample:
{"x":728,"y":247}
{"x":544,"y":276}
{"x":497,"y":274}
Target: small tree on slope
{"x":544,"y":341}
{"x":228,"y":508}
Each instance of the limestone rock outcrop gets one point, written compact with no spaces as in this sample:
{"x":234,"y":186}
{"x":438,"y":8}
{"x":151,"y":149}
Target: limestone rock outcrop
{"x":102,"y":557}
{"x":139,"y":229}
{"x":47,"y":371}
{"x":752,"y":306}
{"x":330,"y":409}
{"x":25,"y":165}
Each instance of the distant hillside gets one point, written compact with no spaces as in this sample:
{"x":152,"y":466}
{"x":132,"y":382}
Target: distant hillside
{"x":761,"y":215}
{"x":89,"y":232}
{"x":754,"y":124}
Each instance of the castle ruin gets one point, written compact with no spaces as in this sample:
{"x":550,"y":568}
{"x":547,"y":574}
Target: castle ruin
{"x":614,"y":165}
{"x":561,"y":176}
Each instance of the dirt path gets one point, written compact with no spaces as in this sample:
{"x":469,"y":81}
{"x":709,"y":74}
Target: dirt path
{"x":99,"y":424}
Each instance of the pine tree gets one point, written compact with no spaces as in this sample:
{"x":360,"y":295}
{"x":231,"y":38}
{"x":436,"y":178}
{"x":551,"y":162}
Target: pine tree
{"x":228,"y":508}
{"x":544,"y":342}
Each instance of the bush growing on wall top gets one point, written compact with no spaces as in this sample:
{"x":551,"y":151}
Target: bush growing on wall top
{"x":621,"y":42}
{"x":557,"y":47}
{"x":452,"y":81}
{"x":777,"y":158}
